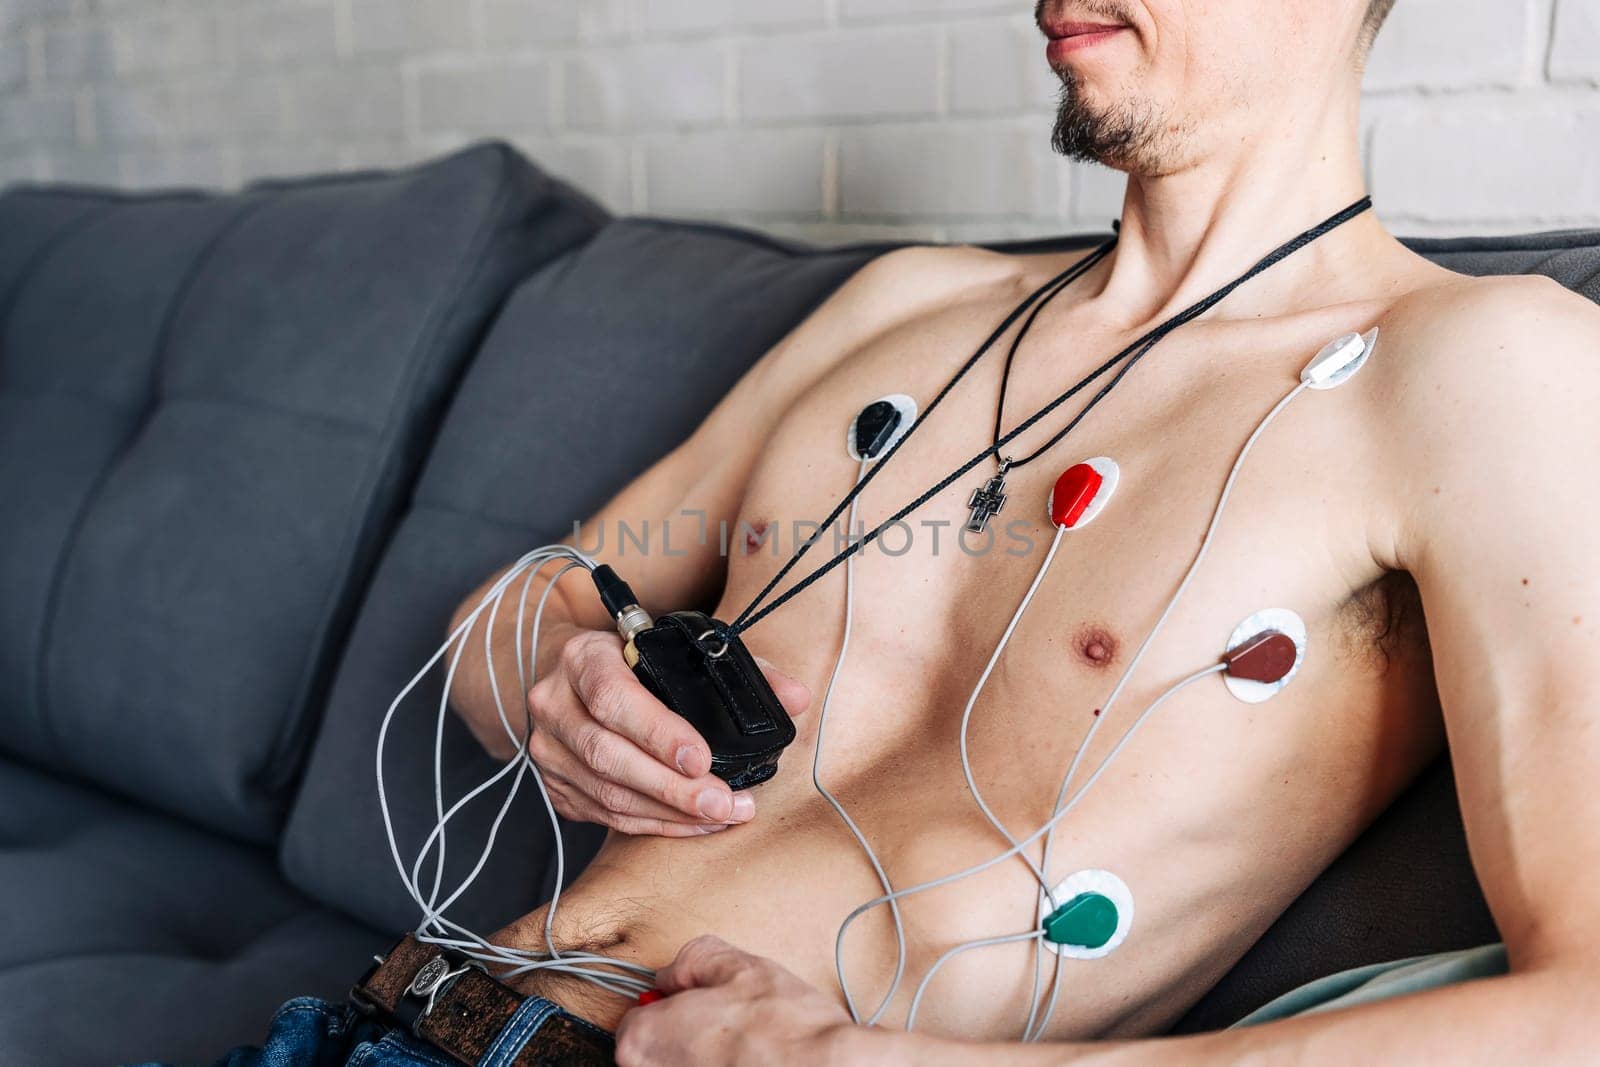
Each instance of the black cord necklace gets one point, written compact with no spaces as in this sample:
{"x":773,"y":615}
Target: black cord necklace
{"x":1122,"y":363}
{"x":989,"y":498}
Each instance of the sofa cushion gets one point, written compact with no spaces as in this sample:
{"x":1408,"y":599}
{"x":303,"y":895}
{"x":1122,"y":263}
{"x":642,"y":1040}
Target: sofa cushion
{"x":138,"y":936}
{"x":1571,"y":257}
{"x":210,"y":409}
{"x":649,"y":324}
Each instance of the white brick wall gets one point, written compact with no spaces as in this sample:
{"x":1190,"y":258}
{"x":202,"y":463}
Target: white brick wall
{"x":829,"y":119}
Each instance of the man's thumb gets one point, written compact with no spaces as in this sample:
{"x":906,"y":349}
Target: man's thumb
{"x":791,"y":692}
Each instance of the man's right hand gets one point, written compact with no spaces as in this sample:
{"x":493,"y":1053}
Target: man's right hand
{"x":611,"y":753}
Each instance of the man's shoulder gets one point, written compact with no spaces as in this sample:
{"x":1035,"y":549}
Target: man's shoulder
{"x":909,"y":285}
{"x":920,"y":277}
{"x":886,"y":293}
{"x":1478,"y":374}
{"x":1473,"y":380}
{"x":1504,"y":338}
{"x":923,"y":276}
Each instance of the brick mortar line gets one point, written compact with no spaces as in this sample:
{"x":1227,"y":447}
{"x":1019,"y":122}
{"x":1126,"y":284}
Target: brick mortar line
{"x":1400,"y":103}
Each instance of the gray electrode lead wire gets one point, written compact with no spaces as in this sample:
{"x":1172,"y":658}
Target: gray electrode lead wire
{"x":1205,"y":547}
{"x":1063,"y":807}
{"x":977,"y":691}
{"x":1037,"y":933}
{"x":624,"y":985}
{"x":634,"y":978}
{"x":491,"y":600}
{"x":525,"y":680}
{"x":972,"y":782}
{"x":434,"y":927}
{"x":816,"y":781}
{"x":520,"y":765}
{"x":957,"y":950}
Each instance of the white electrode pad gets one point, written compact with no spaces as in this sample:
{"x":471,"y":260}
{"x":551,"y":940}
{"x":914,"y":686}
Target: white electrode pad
{"x":903,"y":405}
{"x":1084,"y":883}
{"x":1339,"y":360}
{"x":1285,"y":622}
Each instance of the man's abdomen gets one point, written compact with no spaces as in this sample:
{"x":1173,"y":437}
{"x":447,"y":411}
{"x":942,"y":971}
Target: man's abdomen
{"x":1215,"y":831}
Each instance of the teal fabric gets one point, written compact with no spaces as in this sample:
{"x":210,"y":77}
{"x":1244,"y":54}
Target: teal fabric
{"x":1382,"y":981}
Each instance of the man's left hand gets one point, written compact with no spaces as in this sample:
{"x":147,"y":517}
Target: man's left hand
{"x":724,"y":1007}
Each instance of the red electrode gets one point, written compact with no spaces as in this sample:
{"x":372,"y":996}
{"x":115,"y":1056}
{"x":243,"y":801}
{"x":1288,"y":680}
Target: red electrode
{"x":650,"y":996}
{"x":1075,"y":490}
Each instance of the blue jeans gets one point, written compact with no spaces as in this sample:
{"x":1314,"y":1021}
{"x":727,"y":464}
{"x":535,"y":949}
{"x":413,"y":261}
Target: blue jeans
{"x":307,"y":1032}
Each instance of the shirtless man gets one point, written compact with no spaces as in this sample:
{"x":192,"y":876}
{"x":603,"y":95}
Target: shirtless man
{"x":1452,"y":478}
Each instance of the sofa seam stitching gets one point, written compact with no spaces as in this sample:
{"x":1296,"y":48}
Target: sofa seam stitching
{"x":69,"y":543}
{"x":30,"y":270}
{"x":298,"y":723}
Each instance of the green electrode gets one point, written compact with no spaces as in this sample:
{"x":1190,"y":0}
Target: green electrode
{"x":1088,"y":920}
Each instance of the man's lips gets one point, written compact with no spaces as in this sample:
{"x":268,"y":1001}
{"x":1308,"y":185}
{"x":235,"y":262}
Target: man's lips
{"x":1068,"y":37}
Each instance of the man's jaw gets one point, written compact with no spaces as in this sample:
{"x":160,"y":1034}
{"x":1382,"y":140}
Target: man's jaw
{"x":1076,"y":31}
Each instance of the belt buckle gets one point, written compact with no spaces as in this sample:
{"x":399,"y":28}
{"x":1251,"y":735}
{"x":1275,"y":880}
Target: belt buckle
{"x":358,"y":993}
{"x":435,"y":978}
{"x":431,"y":981}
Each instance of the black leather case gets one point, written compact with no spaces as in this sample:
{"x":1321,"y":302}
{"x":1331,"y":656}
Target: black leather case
{"x":714,"y":682}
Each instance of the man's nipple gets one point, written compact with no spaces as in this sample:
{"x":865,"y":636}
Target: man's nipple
{"x":755,"y":535}
{"x":1095,"y":645}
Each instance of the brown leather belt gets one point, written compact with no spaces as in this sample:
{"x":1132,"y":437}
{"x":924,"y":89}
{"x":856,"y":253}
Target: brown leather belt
{"x":451,"y":1003}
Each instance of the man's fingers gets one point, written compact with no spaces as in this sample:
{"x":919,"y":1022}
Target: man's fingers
{"x":566,"y":737}
{"x":619,"y":778}
{"x":791,"y":692}
{"x":588,"y":811}
{"x":705,"y":961}
{"x":616,"y":698}
{"x":635,"y":740}
{"x":609,"y":797}
{"x":621,"y":766}
{"x":609,"y":748}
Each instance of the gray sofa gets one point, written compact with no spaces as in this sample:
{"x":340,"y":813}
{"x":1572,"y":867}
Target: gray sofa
{"x":255,"y":447}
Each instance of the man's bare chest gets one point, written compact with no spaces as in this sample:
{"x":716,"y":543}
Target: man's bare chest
{"x":931,"y":599}
{"x":1173,"y":426}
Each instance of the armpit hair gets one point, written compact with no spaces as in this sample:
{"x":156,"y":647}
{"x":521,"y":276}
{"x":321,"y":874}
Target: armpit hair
{"x":1383,"y":620}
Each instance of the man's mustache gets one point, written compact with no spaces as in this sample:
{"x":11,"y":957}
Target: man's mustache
{"x":1053,"y":10}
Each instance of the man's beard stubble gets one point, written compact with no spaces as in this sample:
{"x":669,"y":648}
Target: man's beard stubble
{"x":1126,"y":137}
{"x":1129,"y":136}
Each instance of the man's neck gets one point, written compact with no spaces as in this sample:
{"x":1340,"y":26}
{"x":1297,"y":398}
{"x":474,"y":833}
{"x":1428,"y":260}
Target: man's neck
{"x":1187,"y":233}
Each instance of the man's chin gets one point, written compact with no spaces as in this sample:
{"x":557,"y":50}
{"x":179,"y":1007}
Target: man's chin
{"x":1088,"y":140}
{"x":1112,"y":135}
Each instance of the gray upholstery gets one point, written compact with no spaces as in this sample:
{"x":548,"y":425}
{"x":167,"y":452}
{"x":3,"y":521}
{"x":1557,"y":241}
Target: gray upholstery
{"x":209,"y":409}
{"x":135,"y":934}
{"x":599,"y":364}
{"x":253,"y":450}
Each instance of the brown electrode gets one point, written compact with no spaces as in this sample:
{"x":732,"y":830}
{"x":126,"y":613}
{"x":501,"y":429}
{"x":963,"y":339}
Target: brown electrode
{"x":1267,"y":657}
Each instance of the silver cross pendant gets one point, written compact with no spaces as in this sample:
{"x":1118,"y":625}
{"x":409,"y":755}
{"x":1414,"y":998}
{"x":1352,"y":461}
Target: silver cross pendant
{"x":988,"y":499}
